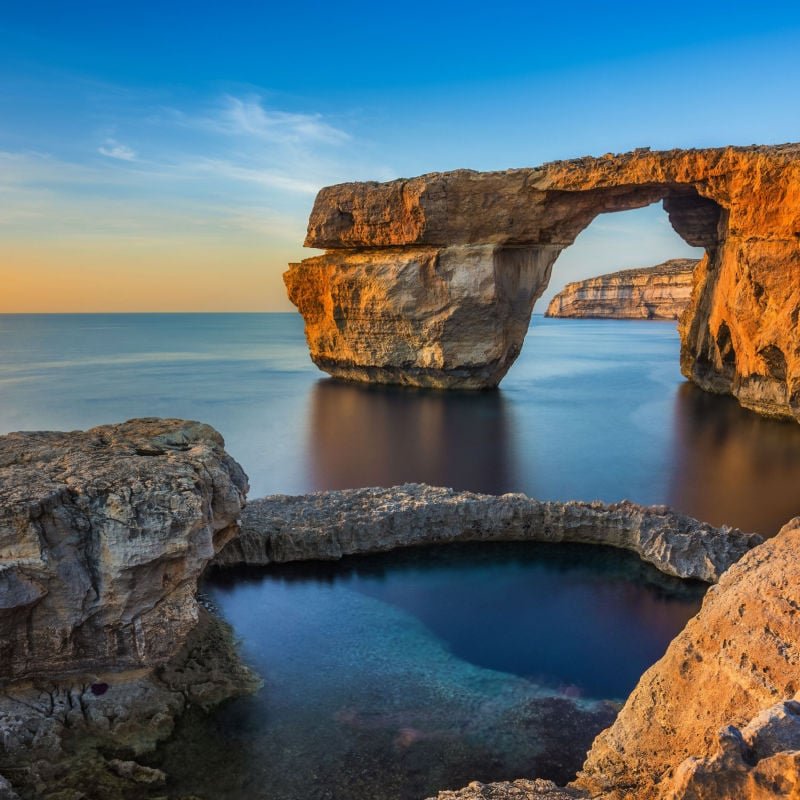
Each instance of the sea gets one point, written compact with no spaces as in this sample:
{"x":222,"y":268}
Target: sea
{"x":397,"y":675}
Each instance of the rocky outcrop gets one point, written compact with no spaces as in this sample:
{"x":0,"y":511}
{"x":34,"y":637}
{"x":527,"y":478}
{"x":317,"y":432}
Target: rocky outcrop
{"x":660,"y":292}
{"x":103,"y":536}
{"x":329,"y":525}
{"x":430,"y":281}
{"x":718,"y":716}
{"x":737,"y":663}
{"x":512,"y":790}
{"x":758,"y":762}
{"x":397,"y":315}
{"x":86,"y":738}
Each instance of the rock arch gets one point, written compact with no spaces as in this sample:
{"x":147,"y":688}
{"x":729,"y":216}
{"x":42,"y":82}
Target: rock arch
{"x":431,"y":281}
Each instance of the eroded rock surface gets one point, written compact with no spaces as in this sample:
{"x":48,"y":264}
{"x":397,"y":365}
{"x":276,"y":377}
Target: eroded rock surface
{"x":512,"y":790}
{"x":415,"y":265}
{"x":329,"y":525}
{"x":103,"y":535}
{"x":660,"y":292}
{"x":759,"y":762}
{"x":87,"y":738}
{"x":716,"y":716}
{"x":405,"y":315}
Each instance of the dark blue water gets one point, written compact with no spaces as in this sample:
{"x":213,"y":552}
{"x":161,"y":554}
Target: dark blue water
{"x":391,"y":677}
{"x":593,"y":409}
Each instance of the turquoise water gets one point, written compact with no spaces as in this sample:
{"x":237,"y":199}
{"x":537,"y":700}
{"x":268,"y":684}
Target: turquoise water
{"x":593,"y":409}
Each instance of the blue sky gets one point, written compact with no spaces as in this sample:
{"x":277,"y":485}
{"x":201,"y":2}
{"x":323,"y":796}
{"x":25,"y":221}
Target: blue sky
{"x":165,"y":156}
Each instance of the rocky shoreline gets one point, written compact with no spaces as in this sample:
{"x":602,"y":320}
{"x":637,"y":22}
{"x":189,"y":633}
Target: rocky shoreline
{"x":660,"y":292}
{"x":105,"y":533}
{"x":103,"y":537}
{"x":718,"y":716}
{"x":329,"y":525}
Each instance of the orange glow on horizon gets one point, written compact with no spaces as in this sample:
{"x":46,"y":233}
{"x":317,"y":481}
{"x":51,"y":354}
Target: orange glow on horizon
{"x":121,"y":277}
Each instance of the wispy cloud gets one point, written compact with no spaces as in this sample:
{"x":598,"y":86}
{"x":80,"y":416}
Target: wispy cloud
{"x":114,"y":149}
{"x":230,"y":169}
{"x":265,"y":177}
{"x":249,"y":117}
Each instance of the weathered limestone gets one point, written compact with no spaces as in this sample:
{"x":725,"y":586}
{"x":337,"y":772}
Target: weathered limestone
{"x":660,"y":292}
{"x":103,"y":535}
{"x":737,"y":663}
{"x":329,"y":525}
{"x":742,"y":204}
{"x":75,"y":739}
{"x":512,"y":790}
{"x":406,"y":315}
{"x":758,"y":762}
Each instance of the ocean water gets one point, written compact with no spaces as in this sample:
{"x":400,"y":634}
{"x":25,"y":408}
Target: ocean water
{"x":390,"y":677}
{"x":593,"y":409}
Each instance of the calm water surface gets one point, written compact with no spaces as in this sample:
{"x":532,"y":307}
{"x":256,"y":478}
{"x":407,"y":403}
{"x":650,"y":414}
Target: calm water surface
{"x":593,"y":409}
{"x":391,"y":677}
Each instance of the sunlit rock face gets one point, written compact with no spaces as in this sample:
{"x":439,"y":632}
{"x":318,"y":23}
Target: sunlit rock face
{"x":428,"y":240}
{"x":660,"y":292}
{"x":444,"y":317}
{"x":718,"y":715}
{"x":103,"y":536}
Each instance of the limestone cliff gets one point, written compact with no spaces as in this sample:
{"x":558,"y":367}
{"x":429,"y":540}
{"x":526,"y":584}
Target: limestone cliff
{"x":397,"y":316}
{"x":660,"y":292}
{"x":717,"y":717}
{"x":329,"y":525}
{"x":103,"y":536}
{"x":711,"y":719}
{"x":429,"y":281}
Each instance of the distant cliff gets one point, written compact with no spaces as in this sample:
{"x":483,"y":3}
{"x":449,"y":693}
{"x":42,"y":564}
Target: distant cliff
{"x":660,"y":292}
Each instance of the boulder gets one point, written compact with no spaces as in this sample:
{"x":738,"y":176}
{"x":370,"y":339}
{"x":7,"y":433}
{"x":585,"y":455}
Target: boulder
{"x":103,"y":536}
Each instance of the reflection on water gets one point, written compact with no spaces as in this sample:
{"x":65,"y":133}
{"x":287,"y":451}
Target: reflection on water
{"x":593,"y":409}
{"x":383,"y":436}
{"x":392,"y":676}
{"x":731,"y":464}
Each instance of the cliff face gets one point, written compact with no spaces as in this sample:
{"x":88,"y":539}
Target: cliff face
{"x":447,"y":232}
{"x":660,"y":292}
{"x":103,"y":536}
{"x":716,"y":717}
{"x":399,"y":316}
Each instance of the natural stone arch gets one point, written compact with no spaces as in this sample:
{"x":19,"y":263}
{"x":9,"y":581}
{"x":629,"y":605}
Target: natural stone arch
{"x":431,"y":281}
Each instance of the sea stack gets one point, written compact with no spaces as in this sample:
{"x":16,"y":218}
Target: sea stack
{"x":660,"y":292}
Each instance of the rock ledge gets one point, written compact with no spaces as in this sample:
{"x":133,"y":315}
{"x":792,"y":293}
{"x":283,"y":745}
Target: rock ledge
{"x":329,"y":525}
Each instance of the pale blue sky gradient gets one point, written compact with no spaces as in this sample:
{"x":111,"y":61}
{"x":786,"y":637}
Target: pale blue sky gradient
{"x":156,"y":146}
